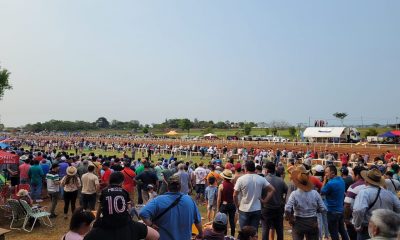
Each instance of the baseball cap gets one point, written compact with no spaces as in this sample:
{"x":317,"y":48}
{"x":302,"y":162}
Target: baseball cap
{"x":318,"y":168}
{"x":221,"y":218}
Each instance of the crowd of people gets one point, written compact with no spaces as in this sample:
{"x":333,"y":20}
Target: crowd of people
{"x":357,"y":200}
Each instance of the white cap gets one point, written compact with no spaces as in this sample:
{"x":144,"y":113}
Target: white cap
{"x":318,"y":168}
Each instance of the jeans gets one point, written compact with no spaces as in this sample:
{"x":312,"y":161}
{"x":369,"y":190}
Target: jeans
{"x":305,"y":227}
{"x":89,"y":201}
{"x":36,"y":191}
{"x":249,"y":219}
{"x":336,"y":226}
{"x":323,"y":225}
{"x":230,"y":210}
{"x":54,"y":199}
{"x":70,"y":198}
{"x":272,"y":219}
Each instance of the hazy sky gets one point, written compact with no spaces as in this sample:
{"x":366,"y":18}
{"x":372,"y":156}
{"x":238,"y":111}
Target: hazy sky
{"x":212,"y":60}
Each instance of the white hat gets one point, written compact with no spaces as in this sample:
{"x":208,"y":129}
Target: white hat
{"x":318,"y":168}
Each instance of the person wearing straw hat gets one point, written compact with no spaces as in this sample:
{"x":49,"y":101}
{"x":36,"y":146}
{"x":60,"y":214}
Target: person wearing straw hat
{"x":225,"y":202}
{"x":23,"y":194}
{"x":71,"y":184}
{"x":372,"y":197}
{"x":303,"y":205}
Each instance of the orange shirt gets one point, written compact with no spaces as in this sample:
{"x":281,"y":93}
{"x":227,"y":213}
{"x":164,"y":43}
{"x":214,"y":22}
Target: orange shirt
{"x":216,"y":175}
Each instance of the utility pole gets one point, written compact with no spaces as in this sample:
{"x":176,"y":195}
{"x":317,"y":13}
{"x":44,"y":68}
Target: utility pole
{"x":397,"y":123}
{"x":309,"y":121}
{"x":362,"y":122}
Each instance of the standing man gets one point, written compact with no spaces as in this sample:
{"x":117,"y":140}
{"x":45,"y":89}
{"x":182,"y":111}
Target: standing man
{"x":200,"y":174}
{"x":250,"y":187}
{"x":184,"y":177}
{"x":35,"y":174}
{"x":90,"y":187}
{"x":145,"y":178}
{"x":272,"y":211}
{"x":53,"y":188}
{"x":333,"y":192}
{"x":173,"y":213}
{"x":372,"y":197}
{"x":105,"y":178}
{"x":24,"y":169}
{"x":351,"y":195}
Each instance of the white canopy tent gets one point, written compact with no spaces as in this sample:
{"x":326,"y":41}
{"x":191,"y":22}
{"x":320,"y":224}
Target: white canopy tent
{"x":210,"y":135}
{"x":324,"y":132}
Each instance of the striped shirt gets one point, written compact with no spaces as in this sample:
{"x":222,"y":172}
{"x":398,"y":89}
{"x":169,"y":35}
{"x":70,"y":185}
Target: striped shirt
{"x":305,"y":204}
{"x":366,"y":197}
{"x":51,"y":178}
{"x":353,"y":190}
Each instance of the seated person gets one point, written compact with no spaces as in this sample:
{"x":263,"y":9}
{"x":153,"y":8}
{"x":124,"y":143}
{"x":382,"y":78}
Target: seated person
{"x":219,"y":225}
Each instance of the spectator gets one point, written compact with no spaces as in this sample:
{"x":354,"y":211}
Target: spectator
{"x":200,"y":175}
{"x":225,"y":203}
{"x":348,"y":180}
{"x":302,"y":207}
{"x":79,"y":225}
{"x":184,"y":177}
{"x":384,"y":224}
{"x":211,"y":197}
{"x":53,"y":188}
{"x":272,"y":211}
{"x":217,"y":232}
{"x":334,"y":190}
{"x":24,"y":169}
{"x":129,"y":180}
{"x":105,"y":178}
{"x":248,"y":233}
{"x":152,"y":193}
{"x":35,"y":174}
{"x":250,"y":187}
{"x":113,"y":220}
{"x":391,"y":184}
{"x":90,"y":187}
{"x":173,"y":213}
{"x":370,"y":198}
{"x":71,"y":183}
{"x":145,"y":178}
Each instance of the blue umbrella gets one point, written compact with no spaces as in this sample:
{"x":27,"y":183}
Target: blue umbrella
{"x":388,"y":135}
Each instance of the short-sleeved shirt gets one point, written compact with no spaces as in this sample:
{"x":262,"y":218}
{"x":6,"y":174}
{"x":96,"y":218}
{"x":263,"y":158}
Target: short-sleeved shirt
{"x":200,"y":174}
{"x":23,"y":170}
{"x":106,"y":176}
{"x":131,"y":231}
{"x":35,"y":174}
{"x":178,"y":220}
{"x":51,"y":179}
{"x":89,"y":183}
{"x":334,"y":194}
{"x":281,"y":188}
{"x":250,"y":187}
{"x":185,"y":178}
{"x":129,"y":176}
{"x":114,"y":201}
{"x":147,"y":178}
{"x":392,"y":185}
{"x":353,"y":190}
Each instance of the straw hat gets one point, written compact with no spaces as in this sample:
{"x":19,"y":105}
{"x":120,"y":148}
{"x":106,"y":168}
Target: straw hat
{"x":71,"y":171}
{"x":22,"y":193}
{"x":373,"y":177}
{"x":227,"y":174}
{"x":301,"y":179}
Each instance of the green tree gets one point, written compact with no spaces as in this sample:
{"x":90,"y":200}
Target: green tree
{"x":4,"y":83}
{"x":274,"y":131}
{"x":1,"y":127}
{"x":371,"y":132}
{"x":102,"y":122}
{"x":266,"y":131}
{"x":292,"y":131}
{"x":341,"y":116}
{"x":185,"y":124}
{"x":208,"y":130}
{"x":247,"y":129}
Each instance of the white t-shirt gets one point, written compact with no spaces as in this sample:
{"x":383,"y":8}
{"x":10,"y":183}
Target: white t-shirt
{"x":250,"y":187}
{"x":200,"y":174}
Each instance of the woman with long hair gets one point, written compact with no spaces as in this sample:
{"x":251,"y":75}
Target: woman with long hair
{"x":70,"y":183}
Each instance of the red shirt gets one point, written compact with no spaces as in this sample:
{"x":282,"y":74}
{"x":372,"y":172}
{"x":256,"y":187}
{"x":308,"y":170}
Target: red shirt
{"x":129,"y":176}
{"x":23,"y":170}
{"x":106,"y":176}
{"x":317,"y":183}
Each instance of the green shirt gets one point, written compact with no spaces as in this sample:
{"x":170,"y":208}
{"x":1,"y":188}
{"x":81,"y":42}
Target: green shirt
{"x":36,"y":174}
{"x":139,"y":169}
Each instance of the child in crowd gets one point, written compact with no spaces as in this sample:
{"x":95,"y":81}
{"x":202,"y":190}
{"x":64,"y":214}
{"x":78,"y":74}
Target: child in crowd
{"x":152,"y":193}
{"x":211,"y":197}
{"x":81,"y":221}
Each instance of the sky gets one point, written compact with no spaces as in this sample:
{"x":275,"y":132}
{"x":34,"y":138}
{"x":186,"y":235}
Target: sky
{"x":212,"y":60}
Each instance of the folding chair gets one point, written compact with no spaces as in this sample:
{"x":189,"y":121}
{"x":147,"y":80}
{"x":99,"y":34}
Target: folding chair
{"x":18,"y":212}
{"x":36,"y":214}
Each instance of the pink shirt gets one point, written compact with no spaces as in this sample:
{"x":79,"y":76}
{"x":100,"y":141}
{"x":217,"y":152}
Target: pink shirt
{"x":23,"y":171}
{"x":72,"y":236}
